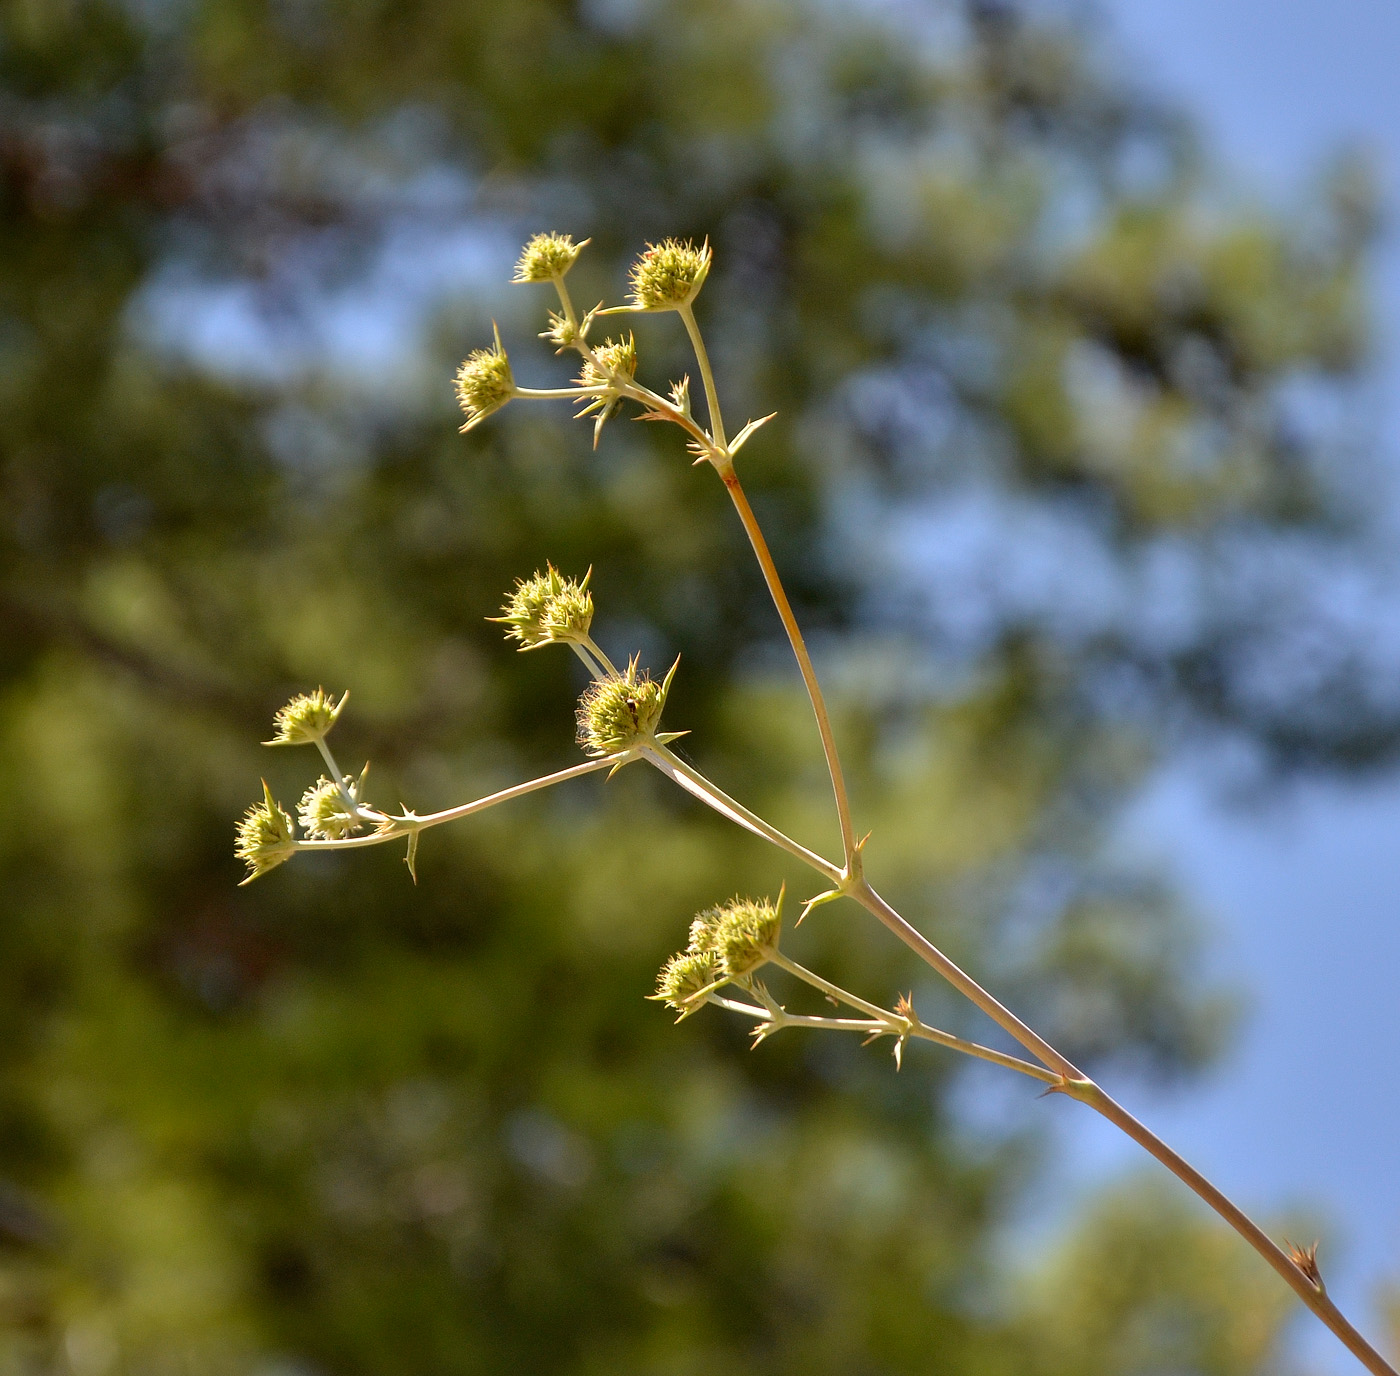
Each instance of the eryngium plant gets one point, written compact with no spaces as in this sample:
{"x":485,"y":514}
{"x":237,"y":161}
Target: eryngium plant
{"x":619,"y":721}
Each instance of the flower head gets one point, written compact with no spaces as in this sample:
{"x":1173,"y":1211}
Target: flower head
{"x":546,"y":258}
{"x":265,"y":836}
{"x":669,"y":275}
{"x":622,"y":711}
{"x":547,"y":608}
{"x":325,"y":812}
{"x":307,"y":718}
{"x":685,"y":977}
{"x":484,"y":382}
{"x":616,"y":360}
{"x":745,"y":933}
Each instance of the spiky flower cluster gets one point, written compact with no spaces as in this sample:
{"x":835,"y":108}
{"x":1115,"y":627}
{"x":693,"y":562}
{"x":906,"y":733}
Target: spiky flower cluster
{"x":547,"y":608}
{"x":484,"y":383}
{"x":326,"y":811}
{"x":727,"y":943}
{"x":306,"y":718}
{"x":546,"y":258}
{"x":265,"y":836}
{"x":669,"y":275}
{"x":621,"y":711}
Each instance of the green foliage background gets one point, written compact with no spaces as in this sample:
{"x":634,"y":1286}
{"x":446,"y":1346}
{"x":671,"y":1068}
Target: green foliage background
{"x":334,"y":1123}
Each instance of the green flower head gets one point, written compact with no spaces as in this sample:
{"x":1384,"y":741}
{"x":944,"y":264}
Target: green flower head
{"x":265,"y":837}
{"x":669,"y":275}
{"x":547,"y":608}
{"x":685,"y":977}
{"x":745,"y":934}
{"x":615,"y":360}
{"x":484,"y":382}
{"x":307,"y":718}
{"x":546,"y":258}
{"x":621,"y":712}
{"x":324,"y":813}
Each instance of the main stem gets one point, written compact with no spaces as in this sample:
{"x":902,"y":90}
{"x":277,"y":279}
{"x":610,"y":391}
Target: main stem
{"x":804,"y":660}
{"x":1072,"y":1081}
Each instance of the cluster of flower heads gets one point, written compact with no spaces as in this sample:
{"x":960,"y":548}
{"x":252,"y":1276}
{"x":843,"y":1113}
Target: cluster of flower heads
{"x":728,"y":944}
{"x":665,"y":277}
{"x":548,"y":608}
{"x":329,"y":809}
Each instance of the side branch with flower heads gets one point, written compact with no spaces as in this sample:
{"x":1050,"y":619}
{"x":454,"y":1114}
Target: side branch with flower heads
{"x":618,"y":723}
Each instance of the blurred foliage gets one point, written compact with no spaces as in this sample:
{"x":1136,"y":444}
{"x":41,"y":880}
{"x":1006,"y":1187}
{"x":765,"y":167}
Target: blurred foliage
{"x":336,"y":1123}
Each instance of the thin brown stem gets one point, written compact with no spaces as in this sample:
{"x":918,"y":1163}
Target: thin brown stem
{"x":804,"y":661}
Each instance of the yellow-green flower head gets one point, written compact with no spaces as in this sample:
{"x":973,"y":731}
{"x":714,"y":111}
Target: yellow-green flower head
{"x":745,"y":934}
{"x":547,"y":608}
{"x":484,"y":382}
{"x":685,"y":977}
{"x":621,"y":712}
{"x":616,"y":359}
{"x":324,"y":812}
{"x":265,"y":836}
{"x":669,"y":275}
{"x":306,"y":718}
{"x":546,"y":258}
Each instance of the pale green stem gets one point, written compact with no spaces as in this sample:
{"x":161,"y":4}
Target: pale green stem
{"x":899,"y":1025}
{"x":702,"y":357}
{"x":595,"y":669}
{"x":404,"y":825}
{"x":560,"y":393}
{"x":804,"y":661}
{"x":698,"y":786}
{"x":602,"y":659}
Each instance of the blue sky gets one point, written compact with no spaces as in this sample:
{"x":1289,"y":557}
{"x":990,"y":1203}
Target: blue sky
{"x":1301,"y":891}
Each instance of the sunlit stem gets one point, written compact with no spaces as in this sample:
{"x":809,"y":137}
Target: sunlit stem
{"x":559,"y":393}
{"x":591,"y":646}
{"x":403,"y":825}
{"x":702,"y":357}
{"x":595,"y":669}
{"x":726,"y":471}
{"x":885,"y":1022}
{"x":700,"y":787}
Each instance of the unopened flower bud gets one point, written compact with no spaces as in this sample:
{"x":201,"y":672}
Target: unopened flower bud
{"x":265,"y":837}
{"x":669,"y":275}
{"x":325,"y":812}
{"x":484,"y":382}
{"x":546,"y":258}
{"x":547,"y":608}
{"x":746,"y":933}
{"x":307,"y":718}
{"x":623,"y":711}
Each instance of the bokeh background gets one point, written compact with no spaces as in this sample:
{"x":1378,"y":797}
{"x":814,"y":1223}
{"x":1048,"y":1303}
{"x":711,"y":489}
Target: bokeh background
{"x":1079,"y":477}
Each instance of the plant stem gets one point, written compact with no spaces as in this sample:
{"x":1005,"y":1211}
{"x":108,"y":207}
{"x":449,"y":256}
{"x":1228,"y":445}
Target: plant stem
{"x":702,"y":357}
{"x":698,"y":786}
{"x":804,"y":661}
{"x":435,"y":819}
{"x":898,"y":1025}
